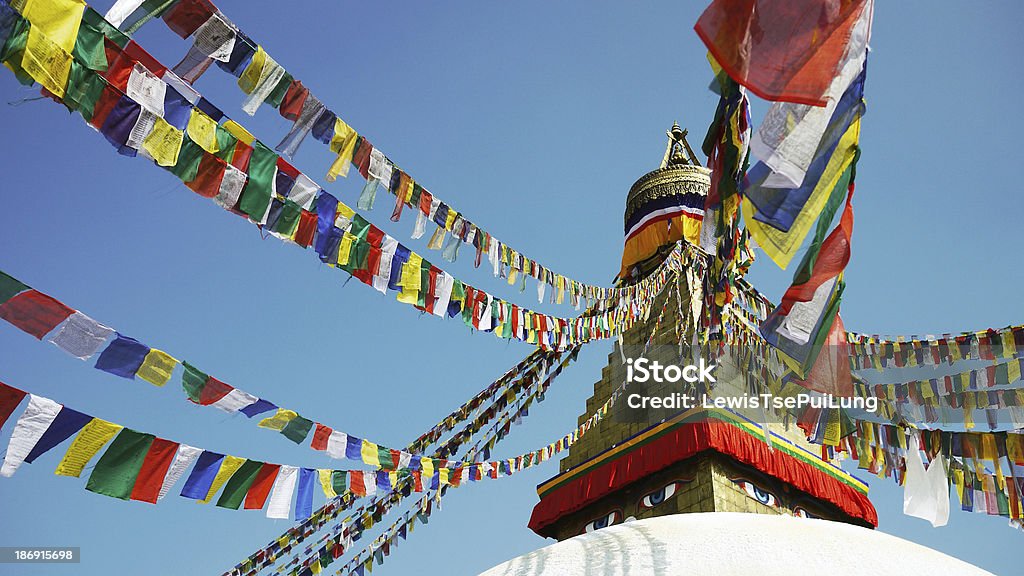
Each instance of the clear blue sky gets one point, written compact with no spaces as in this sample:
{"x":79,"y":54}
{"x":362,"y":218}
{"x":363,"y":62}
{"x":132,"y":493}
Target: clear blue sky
{"x":533,"y":118}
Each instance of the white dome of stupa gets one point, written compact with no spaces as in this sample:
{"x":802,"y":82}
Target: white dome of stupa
{"x":731,"y":543}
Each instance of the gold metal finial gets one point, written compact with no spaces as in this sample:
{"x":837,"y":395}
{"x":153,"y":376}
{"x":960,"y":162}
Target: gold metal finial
{"x":678,"y":151}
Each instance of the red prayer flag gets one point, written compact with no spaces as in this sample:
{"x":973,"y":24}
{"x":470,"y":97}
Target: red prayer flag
{"x":361,"y":158}
{"x":256,"y":497}
{"x":213,"y":391}
{"x":356,"y":483}
{"x":9,"y":400}
{"x":294,"y":99}
{"x":187,"y":16}
{"x":320,"y":437}
{"x":831,"y":261}
{"x":208,"y":177}
{"x":242,"y":154}
{"x":307,"y":228}
{"x":108,"y":99}
{"x":783,"y":50}
{"x":154,"y":469}
{"x":34,"y":312}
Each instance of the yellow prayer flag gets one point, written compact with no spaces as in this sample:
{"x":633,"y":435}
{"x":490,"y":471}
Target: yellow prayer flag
{"x":345,"y":248}
{"x":46,"y":62}
{"x":228,"y":466}
{"x":203,"y":131}
{"x":344,"y":211}
{"x":164,"y":143}
{"x":411,"y":272}
{"x":782,"y":246}
{"x":368,"y":451}
{"x":157,"y":367}
{"x":443,"y":476}
{"x":427,"y":466}
{"x":86,"y":444}
{"x":450,"y":220}
{"x":57,"y":19}
{"x":1013,"y":371}
{"x":343,"y":143}
{"x":327,"y":483}
{"x":251,"y":75}
{"x":279,"y":420}
{"x":236,"y":130}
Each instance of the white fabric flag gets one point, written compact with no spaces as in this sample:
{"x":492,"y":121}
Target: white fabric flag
{"x":485,"y":315}
{"x":336,"y":444}
{"x":216,"y":38}
{"x":34,"y":421}
{"x":181,"y":87}
{"x":230,"y":187}
{"x":403,"y":459}
{"x":421,"y":225}
{"x":81,"y":336}
{"x":492,"y":255}
{"x":789,"y":135}
{"x":147,"y":89}
{"x":121,"y":10}
{"x":443,"y":290}
{"x":269,"y":77}
{"x":803,"y":316}
{"x":380,"y":168}
{"x":370,"y":482}
{"x":925,"y":493}
{"x":234,"y":401}
{"x":541,"y":286}
{"x":387,"y":253}
{"x":182,"y":460}
{"x":281,"y":494}
{"x":143,"y":126}
{"x":304,"y":191}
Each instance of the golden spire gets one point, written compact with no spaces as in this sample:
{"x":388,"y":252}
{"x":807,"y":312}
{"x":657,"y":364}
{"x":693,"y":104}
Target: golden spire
{"x":678,"y":151}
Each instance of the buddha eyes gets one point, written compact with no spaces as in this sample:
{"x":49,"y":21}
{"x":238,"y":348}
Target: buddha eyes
{"x":762,"y":496}
{"x":801,"y":513}
{"x":658,"y":496}
{"x":605,"y":521}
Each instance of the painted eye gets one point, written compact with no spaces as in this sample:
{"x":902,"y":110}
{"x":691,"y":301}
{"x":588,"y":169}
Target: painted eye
{"x":801,"y":513}
{"x":762,"y":496}
{"x":658,"y":496}
{"x":603,"y":522}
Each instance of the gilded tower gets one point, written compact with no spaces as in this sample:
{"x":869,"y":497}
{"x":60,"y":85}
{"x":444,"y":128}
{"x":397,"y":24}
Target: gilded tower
{"x":638,"y":464}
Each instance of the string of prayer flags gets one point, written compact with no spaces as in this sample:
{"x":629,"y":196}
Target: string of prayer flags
{"x":874,"y":351}
{"x":127,"y":357}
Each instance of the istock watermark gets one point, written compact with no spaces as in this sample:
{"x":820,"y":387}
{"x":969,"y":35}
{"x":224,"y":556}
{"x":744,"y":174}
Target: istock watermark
{"x":663,"y":381}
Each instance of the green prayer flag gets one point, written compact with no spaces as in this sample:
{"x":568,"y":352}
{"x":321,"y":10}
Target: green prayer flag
{"x":189,"y":157}
{"x":384,"y":457}
{"x":277,"y":95}
{"x":116,"y":471}
{"x":193,"y":381}
{"x":226,"y":143}
{"x":339,"y":480}
{"x":14,"y":49}
{"x":289,"y":218}
{"x":83,"y":91}
{"x":151,"y":9}
{"x":89,"y":48}
{"x":260,"y":187}
{"x":238,"y":485}
{"x":297,"y":429}
{"x":96,"y":20}
{"x":10,"y":287}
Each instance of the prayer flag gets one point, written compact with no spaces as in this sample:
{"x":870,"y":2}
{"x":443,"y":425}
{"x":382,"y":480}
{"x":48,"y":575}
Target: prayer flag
{"x":183,"y":458}
{"x":81,"y":336}
{"x":282,"y":492}
{"x":86,"y":444}
{"x":238,"y":486}
{"x":154,"y":470}
{"x":198,"y":483}
{"x":256,"y":497}
{"x":785,"y":50}
{"x":31,"y":426}
{"x":123,"y":356}
{"x":34,"y":312}
{"x":116,"y":471}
